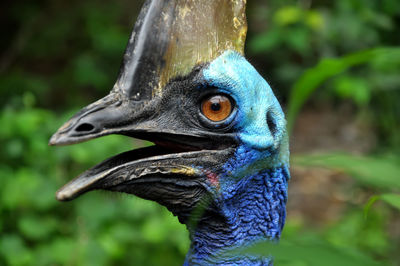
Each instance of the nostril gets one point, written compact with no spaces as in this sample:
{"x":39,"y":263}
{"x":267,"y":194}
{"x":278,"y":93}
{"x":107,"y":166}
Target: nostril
{"x":271,"y":122}
{"x":85,"y":127}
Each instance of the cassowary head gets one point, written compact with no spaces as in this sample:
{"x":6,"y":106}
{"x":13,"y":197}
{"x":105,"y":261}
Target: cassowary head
{"x":219,"y":132}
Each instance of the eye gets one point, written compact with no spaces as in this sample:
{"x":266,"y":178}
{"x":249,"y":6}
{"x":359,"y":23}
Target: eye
{"x":216,"y":108}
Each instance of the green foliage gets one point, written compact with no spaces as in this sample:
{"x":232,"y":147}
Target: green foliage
{"x":301,"y":44}
{"x":99,"y":230}
{"x":308,"y":250}
{"x":356,"y":237}
{"x":328,"y":68}
{"x":364,"y":169}
{"x":390,"y":198}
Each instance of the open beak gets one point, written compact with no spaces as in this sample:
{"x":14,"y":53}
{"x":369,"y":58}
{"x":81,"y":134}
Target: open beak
{"x":161,"y":51}
{"x":172,"y":172}
{"x":172,"y":165}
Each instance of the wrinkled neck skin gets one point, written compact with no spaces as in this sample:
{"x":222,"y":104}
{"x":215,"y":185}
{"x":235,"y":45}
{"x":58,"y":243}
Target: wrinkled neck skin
{"x":250,"y":189}
{"x":251,"y":209}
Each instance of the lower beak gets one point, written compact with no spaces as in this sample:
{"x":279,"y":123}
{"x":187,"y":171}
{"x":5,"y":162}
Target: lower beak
{"x":175,"y":180}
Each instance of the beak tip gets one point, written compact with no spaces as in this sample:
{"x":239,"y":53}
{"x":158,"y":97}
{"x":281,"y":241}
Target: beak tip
{"x":62,"y":195}
{"x":53,"y":140}
{"x":63,"y":139}
{"x":57,"y":139}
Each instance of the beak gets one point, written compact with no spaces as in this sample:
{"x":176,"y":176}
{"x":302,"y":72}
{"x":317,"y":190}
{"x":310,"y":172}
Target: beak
{"x":102,"y":117}
{"x":129,"y":171}
{"x":155,"y":98}
{"x":175,"y":180}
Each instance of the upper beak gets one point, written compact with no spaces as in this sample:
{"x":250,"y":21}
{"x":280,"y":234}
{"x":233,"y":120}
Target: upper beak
{"x":103,"y":117}
{"x":161,"y":48}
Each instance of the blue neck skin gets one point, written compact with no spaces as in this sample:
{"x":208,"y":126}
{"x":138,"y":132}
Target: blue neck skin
{"x":255,"y":213}
{"x":251,"y":189}
{"x":250,"y":209}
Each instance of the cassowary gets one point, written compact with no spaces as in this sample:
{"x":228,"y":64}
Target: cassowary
{"x":220,"y":159}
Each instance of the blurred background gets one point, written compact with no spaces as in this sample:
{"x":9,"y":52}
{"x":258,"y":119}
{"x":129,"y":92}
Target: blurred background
{"x":334,"y":66}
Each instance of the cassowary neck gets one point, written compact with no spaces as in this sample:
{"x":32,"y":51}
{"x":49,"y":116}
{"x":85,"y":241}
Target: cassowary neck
{"x":253,"y":211}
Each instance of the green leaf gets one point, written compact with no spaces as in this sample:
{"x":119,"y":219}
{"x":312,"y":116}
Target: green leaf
{"x":307,"y":252}
{"x":392,"y":199}
{"x":315,"y":20}
{"x":61,"y":250}
{"x":298,"y":40}
{"x":266,"y":41}
{"x":380,"y":172}
{"x":353,"y":231}
{"x":14,"y":250}
{"x":288,"y":15}
{"x":369,"y":204}
{"x":354,"y":88}
{"x":327,"y":68}
{"x":37,"y":228}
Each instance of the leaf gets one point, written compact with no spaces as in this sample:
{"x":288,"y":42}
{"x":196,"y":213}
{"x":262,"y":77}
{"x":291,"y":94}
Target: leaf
{"x":61,"y":250}
{"x":265,"y":42}
{"x":392,"y":199}
{"x":35,"y":227}
{"x":369,"y":204}
{"x":309,"y":251}
{"x":357,"y":89}
{"x":288,"y":15}
{"x":380,"y":172}
{"x":14,"y":250}
{"x":327,"y":68}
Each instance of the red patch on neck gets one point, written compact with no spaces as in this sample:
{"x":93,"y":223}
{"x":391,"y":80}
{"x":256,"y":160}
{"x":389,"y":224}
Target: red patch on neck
{"x":213,"y":178}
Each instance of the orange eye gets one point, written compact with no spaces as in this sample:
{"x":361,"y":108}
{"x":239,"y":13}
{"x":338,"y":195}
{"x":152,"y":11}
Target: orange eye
{"x":216,"y":108}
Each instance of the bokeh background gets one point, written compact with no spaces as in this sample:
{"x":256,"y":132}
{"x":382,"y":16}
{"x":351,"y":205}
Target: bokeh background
{"x":334,"y":66}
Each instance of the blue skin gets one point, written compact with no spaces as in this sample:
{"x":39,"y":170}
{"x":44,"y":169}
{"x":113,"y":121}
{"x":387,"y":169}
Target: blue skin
{"x":251,"y":199}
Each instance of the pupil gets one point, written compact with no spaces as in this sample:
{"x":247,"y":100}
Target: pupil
{"x":215,"y":107}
